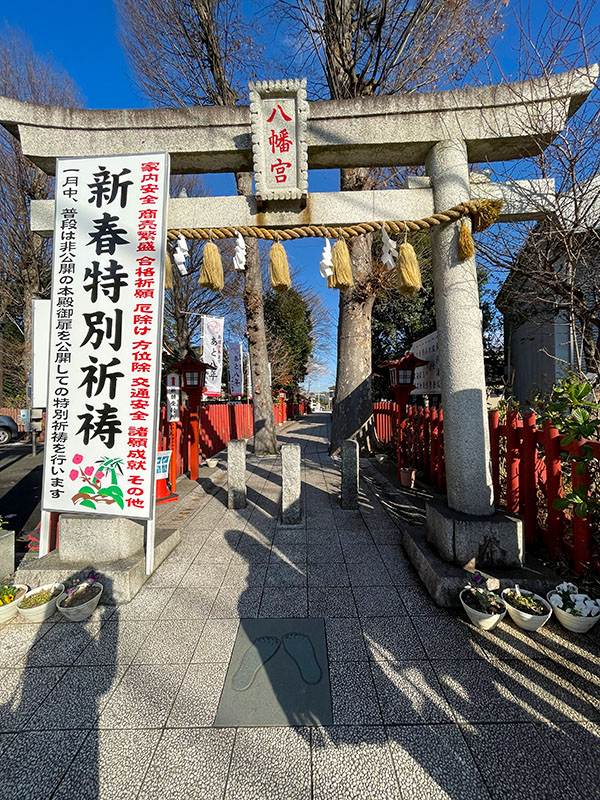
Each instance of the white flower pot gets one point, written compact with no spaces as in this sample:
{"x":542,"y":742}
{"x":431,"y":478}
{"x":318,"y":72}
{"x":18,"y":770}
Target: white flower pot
{"x":529,"y":622}
{"x":9,"y":611}
{"x":79,"y":613}
{"x":572,"y":623}
{"x":481,"y":620}
{"x":41,"y":613}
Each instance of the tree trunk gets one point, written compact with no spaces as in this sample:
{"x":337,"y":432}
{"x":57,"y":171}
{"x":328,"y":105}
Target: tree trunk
{"x":265,"y":438}
{"x":353,"y":405}
{"x":182,"y":326}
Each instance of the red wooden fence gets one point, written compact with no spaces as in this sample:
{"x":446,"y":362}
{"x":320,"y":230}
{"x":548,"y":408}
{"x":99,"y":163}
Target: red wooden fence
{"x":385,"y":415}
{"x":529,"y":467}
{"x":218,"y":423}
{"x":536,"y":467}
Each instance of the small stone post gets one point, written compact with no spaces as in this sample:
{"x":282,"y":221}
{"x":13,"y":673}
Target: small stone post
{"x":291,"y":483}
{"x":460,"y":341}
{"x":236,"y":473}
{"x":350,"y":474}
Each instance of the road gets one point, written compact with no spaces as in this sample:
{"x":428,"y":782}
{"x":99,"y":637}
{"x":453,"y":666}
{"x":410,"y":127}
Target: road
{"x":20,"y":487}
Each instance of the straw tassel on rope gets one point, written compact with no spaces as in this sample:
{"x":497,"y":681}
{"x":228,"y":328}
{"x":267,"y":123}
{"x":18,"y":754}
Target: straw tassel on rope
{"x":342,"y":268}
{"x":168,"y":271}
{"x":409,"y":273}
{"x":466,"y":245}
{"x":280,"y":271}
{"x":211,"y":274}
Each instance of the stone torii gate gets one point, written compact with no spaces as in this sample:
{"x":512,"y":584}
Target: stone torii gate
{"x":445,"y":131}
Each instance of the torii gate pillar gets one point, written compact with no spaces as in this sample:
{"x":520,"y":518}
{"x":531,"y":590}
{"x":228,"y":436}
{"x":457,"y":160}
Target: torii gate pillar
{"x":467,"y":530}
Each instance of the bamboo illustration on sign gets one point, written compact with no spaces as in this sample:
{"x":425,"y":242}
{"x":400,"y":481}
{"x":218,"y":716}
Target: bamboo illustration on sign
{"x":92,"y":492}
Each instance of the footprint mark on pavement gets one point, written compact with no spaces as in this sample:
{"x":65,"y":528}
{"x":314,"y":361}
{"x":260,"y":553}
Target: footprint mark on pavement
{"x":300,"y":648}
{"x":255,"y":657}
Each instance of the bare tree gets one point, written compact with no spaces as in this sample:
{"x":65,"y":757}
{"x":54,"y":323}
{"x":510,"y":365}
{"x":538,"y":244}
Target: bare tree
{"x":198,"y":52}
{"x":552,"y":267}
{"x":186,"y":301}
{"x":24,"y":256}
{"x":366,"y":47}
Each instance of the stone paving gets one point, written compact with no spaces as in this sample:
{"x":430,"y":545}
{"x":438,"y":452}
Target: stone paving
{"x":424,"y":706}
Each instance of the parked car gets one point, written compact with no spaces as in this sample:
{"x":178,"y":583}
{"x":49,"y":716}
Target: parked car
{"x":8,"y":429}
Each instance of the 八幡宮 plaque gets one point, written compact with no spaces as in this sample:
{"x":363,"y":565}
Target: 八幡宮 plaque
{"x":278,"y":115}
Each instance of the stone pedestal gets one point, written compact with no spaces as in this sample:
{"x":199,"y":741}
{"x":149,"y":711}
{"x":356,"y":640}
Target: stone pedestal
{"x":236,"y":473}
{"x":110,"y":546}
{"x":460,"y":342}
{"x":103,"y":539}
{"x":475,"y":542}
{"x":291,"y":483}
{"x":350,"y":474}
{"x":7,"y":554}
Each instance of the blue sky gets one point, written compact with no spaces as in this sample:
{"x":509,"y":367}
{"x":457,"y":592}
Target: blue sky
{"x":82,"y":38}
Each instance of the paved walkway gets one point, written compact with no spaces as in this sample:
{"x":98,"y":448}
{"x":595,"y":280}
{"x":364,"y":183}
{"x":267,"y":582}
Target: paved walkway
{"x":424,"y":705}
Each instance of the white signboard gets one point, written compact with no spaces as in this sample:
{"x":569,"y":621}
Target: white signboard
{"x":106,"y":334}
{"x":40,"y":336}
{"x":236,"y":370}
{"x":212,"y":353}
{"x":278,"y":115}
{"x":173,"y":396}
{"x":249,"y":377}
{"x":427,"y":379}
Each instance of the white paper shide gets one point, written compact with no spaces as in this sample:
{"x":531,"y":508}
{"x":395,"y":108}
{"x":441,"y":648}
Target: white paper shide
{"x":106,"y":330}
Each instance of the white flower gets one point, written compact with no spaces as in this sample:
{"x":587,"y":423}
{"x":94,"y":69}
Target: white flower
{"x":326,"y":265}
{"x":556,"y":600}
{"x":566,"y":587}
{"x":591,"y":608}
{"x":579,"y":598}
{"x":580,"y":608}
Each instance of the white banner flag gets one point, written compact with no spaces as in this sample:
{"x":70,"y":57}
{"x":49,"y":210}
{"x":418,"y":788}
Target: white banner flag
{"x":236,"y":370}
{"x":249,"y":377}
{"x":212,"y":353}
{"x":106,"y":334}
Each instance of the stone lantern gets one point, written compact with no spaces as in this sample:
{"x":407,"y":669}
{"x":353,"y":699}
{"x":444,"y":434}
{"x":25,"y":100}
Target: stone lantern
{"x":192,"y":373}
{"x":402,"y":379}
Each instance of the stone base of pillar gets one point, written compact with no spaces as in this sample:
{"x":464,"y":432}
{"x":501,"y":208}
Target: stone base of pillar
{"x":122,"y":579}
{"x":475,"y":542}
{"x":101,"y":539}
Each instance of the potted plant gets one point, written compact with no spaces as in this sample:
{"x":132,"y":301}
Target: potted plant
{"x":575,"y":611}
{"x":10,"y":594}
{"x":484,"y":608}
{"x":80,"y":601}
{"x":527,"y":609}
{"x":39,"y":604}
